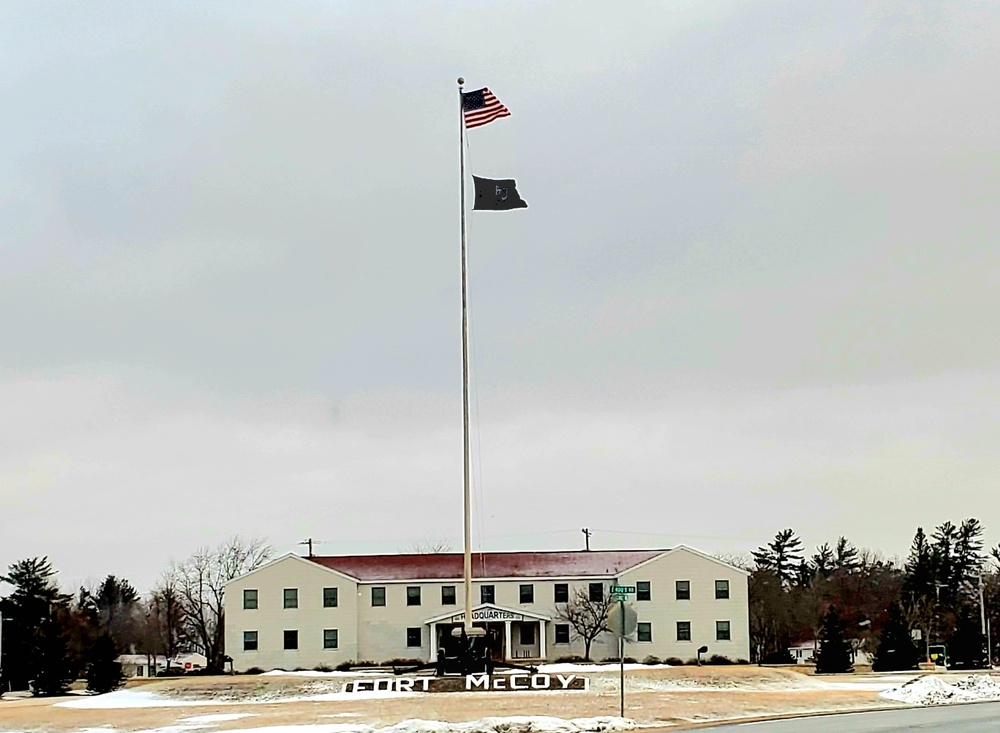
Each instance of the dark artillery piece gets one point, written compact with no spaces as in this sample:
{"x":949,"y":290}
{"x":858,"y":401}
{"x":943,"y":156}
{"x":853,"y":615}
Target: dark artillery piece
{"x":471,"y":655}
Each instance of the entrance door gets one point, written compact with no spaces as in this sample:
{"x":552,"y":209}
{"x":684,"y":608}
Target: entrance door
{"x":496,"y":637}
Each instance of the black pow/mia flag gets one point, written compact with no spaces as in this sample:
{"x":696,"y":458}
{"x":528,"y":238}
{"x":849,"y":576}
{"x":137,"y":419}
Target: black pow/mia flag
{"x":494,"y":195}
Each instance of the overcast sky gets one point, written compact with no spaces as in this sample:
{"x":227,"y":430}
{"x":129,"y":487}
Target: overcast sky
{"x":755,"y":287}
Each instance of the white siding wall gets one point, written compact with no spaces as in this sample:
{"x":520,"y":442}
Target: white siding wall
{"x":271,"y":619}
{"x":703,"y":610}
{"x":382,"y":629}
{"x":379,"y":634}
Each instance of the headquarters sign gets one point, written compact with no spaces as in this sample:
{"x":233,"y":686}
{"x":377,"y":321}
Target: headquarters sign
{"x":489,"y":614}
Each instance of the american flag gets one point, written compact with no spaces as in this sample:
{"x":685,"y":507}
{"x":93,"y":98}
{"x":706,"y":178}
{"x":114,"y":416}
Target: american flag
{"x":481,"y":107}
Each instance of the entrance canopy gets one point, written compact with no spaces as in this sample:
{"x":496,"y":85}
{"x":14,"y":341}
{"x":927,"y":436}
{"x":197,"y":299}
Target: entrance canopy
{"x":529,"y":643}
{"x":488,"y":612}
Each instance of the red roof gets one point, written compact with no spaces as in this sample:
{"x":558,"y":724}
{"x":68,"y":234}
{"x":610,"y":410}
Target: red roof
{"x":449,"y":566}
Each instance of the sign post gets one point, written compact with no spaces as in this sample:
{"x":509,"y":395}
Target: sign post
{"x":619,"y":593}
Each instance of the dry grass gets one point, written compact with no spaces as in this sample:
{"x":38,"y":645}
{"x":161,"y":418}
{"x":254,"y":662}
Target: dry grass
{"x":776,"y":693}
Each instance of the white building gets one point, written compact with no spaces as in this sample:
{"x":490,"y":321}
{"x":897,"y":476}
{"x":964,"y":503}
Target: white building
{"x":151,"y":665}
{"x":303,"y":613}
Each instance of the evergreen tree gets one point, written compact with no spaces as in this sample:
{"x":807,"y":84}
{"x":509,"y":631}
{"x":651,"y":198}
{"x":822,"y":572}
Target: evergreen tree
{"x":896,"y":650}
{"x":52,"y":670}
{"x":918,"y":581}
{"x":782,"y":555}
{"x":943,"y":553}
{"x":968,"y":558}
{"x":822,"y":561}
{"x":26,"y":610}
{"x":967,"y":646}
{"x":835,"y":653}
{"x":846,"y":556}
{"x":104,"y":672}
{"x":114,"y":608}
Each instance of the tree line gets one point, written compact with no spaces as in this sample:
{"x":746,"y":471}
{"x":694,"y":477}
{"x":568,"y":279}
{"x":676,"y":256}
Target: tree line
{"x":848,"y":599}
{"x":51,"y":638}
{"x":945,"y":593}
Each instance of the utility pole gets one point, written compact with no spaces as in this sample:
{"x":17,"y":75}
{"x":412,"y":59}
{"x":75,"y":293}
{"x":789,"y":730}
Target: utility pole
{"x":985,"y":624}
{"x":310,"y":543}
{"x":586,"y":533}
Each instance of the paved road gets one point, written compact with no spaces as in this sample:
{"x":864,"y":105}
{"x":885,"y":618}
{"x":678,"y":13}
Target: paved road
{"x":945,"y":719}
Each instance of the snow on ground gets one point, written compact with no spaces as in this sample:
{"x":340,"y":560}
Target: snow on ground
{"x":315,"y":673}
{"x":938,"y":690}
{"x":564,"y":667}
{"x":143,"y":699}
{"x":514,"y":724}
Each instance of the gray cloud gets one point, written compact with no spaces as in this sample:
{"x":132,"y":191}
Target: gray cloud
{"x":753,"y":288}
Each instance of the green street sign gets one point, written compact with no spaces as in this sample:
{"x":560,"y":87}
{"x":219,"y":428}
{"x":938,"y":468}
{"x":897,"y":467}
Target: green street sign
{"x":620,"y":589}
{"x":618,"y":597}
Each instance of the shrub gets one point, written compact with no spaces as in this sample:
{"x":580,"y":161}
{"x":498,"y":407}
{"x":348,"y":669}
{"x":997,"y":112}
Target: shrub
{"x":570,"y":659}
{"x":322,"y":668}
{"x":351,"y":664}
{"x":402,"y":662}
{"x":779,"y":657}
{"x":718,"y":659}
{"x":692,"y":662}
{"x":674,"y":661}
{"x":614,"y":660}
{"x":254,"y":670}
{"x":651,"y":659}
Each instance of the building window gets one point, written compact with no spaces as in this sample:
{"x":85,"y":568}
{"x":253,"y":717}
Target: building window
{"x":722,"y":589}
{"x":683,"y":590}
{"x":378,"y":595}
{"x":413,"y":636}
{"x":683,"y":631}
{"x":561,"y":593}
{"x":562,"y":633}
{"x":330,"y":639}
{"x":527,"y":593}
{"x":329,"y":598}
{"x":413,"y":595}
{"x":447,"y":595}
{"x":642,"y":591}
{"x":249,"y":598}
{"x":291,"y":639}
{"x":487,"y":594}
{"x":722,"y":631}
{"x":597,"y":592}
{"x":527,"y":634}
{"x":644,"y":631}
{"x":249,"y":641}
{"x":291,"y":598}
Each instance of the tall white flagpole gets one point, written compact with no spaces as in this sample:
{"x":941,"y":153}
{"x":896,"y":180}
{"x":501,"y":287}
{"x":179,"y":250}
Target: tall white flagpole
{"x":465,"y":379}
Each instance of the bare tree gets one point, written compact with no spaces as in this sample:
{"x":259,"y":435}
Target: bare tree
{"x":586,"y":616}
{"x":741,"y":560}
{"x":430,"y":547}
{"x":164,"y":628}
{"x":200,"y":582}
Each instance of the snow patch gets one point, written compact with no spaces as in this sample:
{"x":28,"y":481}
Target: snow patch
{"x":314,"y":673}
{"x":555,"y":668}
{"x":216,"y":717}
{"x":934,"y":690}
{"x":139,"y":699}
{"x":514,"y":724}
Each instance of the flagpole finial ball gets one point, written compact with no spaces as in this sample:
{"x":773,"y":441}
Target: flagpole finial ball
{"x":461,"y":80}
